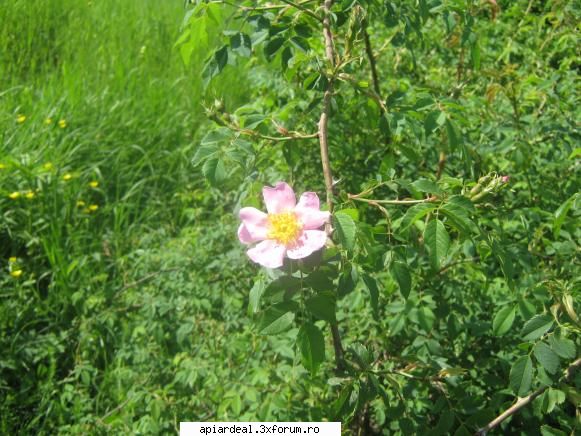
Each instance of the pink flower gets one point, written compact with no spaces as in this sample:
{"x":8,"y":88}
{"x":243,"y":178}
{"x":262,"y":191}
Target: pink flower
{"x":289,"y":228}
{"x":505,"y":179}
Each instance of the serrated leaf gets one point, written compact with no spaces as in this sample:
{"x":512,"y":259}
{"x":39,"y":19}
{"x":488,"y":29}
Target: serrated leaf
{"x":536,"y":327}
{"x":277,"y":318}
{"x":563,"y":347}
{"x":438,"y":242}
{"x":503,"y":320}
{"x":458,"y":218}
{"x":322,"y":306}
{"x":546,"y":357}
{"x":415,"y":213}
{"x":214,"y":171}
{"x":521,"y":376}
{"x":401,"y":273}
{"x":311,"y":343}
{"x":345,"y":229}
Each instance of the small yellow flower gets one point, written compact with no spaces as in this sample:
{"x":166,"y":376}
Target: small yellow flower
{"x":62,"y":123}
{"x":67,"y":177}
{"x":12,"y":259}
{"x":20,"y":118}
{"x":2,"y":166}
{"x":94,"y":184}
{"x":15,"y":195}
{"x":81,"y":203}
{"x":16,"y":273}
{"x":48,"y":166}
{"x":48,"y":121}
{"x":30,"y":195}
{"x":93,"y":207}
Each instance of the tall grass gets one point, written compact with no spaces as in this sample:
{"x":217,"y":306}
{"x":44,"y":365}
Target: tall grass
{"x":97,"y":123}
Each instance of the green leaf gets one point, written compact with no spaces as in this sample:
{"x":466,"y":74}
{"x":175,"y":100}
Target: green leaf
{"x":215,"y":65}
{"x":438,"y":242}
{"x":311,"y":343}
{"x":322,"y":306}
{"x":453,"y":135}
{"x":272,"y":47}
{"x":254,"y":296}
{"x":371,"y":285}
{"x":521,"y":376}
{"x":277,"y":318}
{"x":546,"y":357}
{"x":563,"y":347}
{"x":345,"y":229}
{"x":561,"y":214}
{"x":536,"y":327}
{"x":503,"y":320}
{"x":241,"y":44}
{"x":401,"y":274}
{"x":214,"y":171}
{"x":425,"y":185}
{"x":426,"y":318}
{"x":415,"y":213}
{"x":551,"y":398}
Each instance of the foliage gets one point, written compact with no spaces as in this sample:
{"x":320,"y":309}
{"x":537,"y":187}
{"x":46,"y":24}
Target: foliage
{"x":452,"y":278}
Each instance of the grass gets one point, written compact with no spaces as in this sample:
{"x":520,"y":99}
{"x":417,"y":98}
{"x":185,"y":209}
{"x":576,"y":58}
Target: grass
{"x":98,"y":117}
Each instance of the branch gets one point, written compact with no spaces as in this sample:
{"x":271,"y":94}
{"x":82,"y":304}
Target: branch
{"x":522,"y":402}
{"x":303,"y":8}
{"x":373,"y":66}
{"x":324,"y":145}
{"x":403,"y":202}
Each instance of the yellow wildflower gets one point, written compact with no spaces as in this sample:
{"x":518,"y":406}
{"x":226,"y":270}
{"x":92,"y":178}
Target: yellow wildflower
{"x":93,"y":207}
{"x":16,"y":273}
{"x":48,"y":166}
{"x":12,"y":259}
{"x":62,"y":123}
{"x":48,"y":121}
{"x":30,"y":195}
{"x":81,"y":203}
{"x":2,"y":166}
{"x":20,"y":118}
{"x":94,"y":184}
{"x":15,"y":195}
{"x":67,"y":177}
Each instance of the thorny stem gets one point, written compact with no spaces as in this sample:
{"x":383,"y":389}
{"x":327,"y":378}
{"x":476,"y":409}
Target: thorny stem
{"x":522,"y":402}
{"x":324,"y":145}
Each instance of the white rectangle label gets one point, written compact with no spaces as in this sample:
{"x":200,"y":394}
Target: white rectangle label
{"x":260,"y":428}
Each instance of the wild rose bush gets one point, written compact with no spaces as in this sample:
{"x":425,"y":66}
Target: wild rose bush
{"x":418,"y":122}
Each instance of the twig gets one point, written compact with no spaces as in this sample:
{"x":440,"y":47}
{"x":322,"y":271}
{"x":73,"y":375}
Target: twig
{"x":441,"y":165}
{"x":373,"y":66}
{"x":303,"y":8}
{"x":402,"y":202}
{"x":324,"y":145}
{"x":369,"y":92}
{"x":522,"y":402}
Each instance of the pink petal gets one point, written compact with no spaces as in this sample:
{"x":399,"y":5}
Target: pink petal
{"x":308,"y":211}
{"x":256,"y":225}
{"x":244,"y":235}
{"x":269,"y":254}
{"x":280,"y":198}
{"x":309,"y":242}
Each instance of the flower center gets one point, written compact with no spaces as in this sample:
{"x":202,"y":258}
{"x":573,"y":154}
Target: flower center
{"x":284,"y":227}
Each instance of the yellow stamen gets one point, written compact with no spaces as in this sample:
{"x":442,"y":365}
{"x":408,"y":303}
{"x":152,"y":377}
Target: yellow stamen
{"x":284,"y":227}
